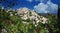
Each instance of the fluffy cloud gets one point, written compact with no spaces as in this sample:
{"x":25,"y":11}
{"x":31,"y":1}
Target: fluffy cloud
{"x":49,"y":7}
{"x":30,"y":0}
{"x":41,"y":8}
{"x":53,"y":8}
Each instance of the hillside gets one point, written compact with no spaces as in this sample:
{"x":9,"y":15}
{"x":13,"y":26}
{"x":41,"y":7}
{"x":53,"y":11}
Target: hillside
{"x":26,"y":13}
{"x":24,"y":20}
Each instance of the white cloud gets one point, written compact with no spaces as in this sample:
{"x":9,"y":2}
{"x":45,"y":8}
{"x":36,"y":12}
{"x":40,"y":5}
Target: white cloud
{"x":41,"y":0}
{"x":41,"y":8}
{"x":49,"y":7}
{"x":53,"y":8}
{"x":30,"y":0}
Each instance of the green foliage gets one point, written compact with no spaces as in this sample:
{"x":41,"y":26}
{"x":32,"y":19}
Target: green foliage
{"x":13,"y":24}
{"x":30,"y":14}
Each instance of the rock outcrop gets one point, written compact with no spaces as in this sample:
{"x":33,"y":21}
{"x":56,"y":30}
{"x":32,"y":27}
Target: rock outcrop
{"x":26,"y":13}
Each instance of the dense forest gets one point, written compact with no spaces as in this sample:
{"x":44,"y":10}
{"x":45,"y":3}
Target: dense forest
{"x":13,"y":24}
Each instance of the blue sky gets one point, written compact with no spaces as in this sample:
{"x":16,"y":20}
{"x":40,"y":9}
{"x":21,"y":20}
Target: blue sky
{"x":32,"y":3}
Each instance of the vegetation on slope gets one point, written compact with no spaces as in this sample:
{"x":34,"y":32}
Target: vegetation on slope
{"x":11,"y":23}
